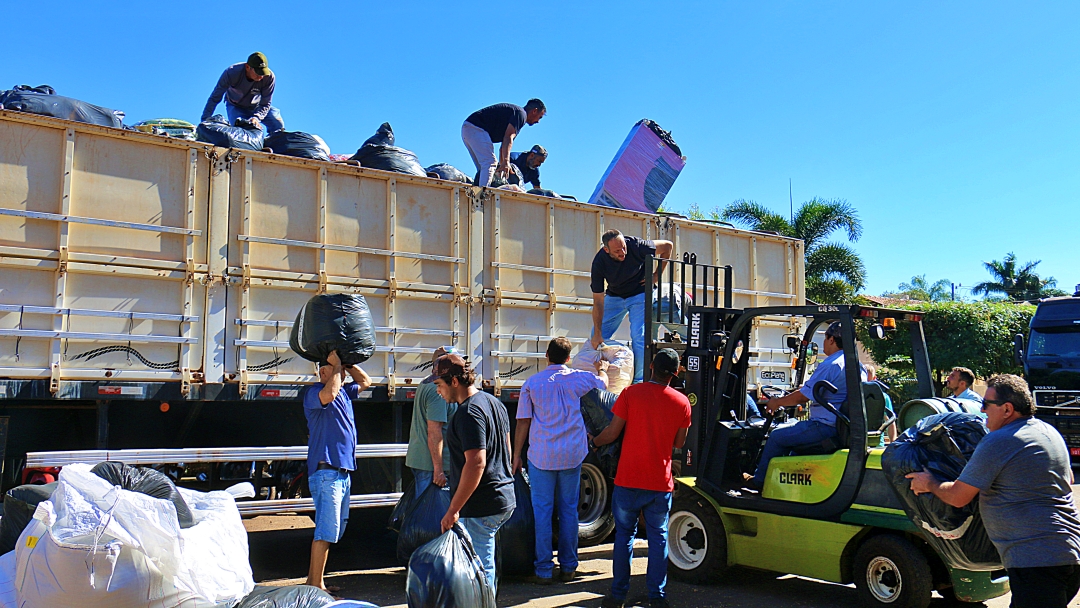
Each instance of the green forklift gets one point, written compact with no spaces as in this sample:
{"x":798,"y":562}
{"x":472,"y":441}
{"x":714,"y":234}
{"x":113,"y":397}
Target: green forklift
{"x":828,"y":515}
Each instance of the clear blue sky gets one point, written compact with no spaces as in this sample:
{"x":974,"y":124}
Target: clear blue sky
{"x":952,"y":127}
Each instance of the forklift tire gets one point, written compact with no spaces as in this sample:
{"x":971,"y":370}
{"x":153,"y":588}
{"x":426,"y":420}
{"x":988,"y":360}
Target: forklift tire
{"x":890,"y":571}
{"x":595,"y":519}
{"x":697,"y":541}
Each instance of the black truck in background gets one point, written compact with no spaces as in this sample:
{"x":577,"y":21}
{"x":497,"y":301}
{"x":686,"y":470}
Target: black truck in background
{"x":1051,"y":360}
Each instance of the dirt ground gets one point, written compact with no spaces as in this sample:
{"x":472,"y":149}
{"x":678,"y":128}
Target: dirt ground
{"x":364,"y":566}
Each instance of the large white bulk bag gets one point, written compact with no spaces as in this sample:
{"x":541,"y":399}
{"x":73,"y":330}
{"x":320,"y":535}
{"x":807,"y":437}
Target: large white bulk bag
{"x":620,"y":363}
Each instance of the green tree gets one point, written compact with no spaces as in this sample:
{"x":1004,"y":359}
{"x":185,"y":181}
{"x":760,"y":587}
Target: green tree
{"x":921,"y":289}
{"x":834,"y":272}
{"x":1020,"y":284}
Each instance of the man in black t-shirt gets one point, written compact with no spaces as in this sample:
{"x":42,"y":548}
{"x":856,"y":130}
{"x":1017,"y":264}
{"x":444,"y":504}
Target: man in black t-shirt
{"x":622,"y":264}
{"x":494,"y":124}
{"x":529,"y":163}
{"x":481,"y":477}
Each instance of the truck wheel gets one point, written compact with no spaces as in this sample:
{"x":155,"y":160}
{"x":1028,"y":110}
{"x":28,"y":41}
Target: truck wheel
{"x":595,"y":520}
{"x":697,"y":541}
{"x":890,"y":571}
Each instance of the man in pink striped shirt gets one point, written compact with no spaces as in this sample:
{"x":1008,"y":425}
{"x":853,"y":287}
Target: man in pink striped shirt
{"x":549,"y":416}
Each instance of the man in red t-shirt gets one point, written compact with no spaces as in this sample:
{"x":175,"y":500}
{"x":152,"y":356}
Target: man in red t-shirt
{"x":655,"y":418}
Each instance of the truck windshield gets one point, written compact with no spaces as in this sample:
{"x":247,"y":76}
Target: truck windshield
{"x":1055,"y":343}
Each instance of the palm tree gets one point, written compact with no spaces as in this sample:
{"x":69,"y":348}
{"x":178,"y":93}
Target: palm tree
{"x":1018,"y":284}
{"x":921,"y":289}
{"x":834,"y":272}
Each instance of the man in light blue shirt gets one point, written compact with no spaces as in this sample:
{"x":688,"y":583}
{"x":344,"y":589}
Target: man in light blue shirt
{"x":959,"y":382}
{"x":821,"y":427}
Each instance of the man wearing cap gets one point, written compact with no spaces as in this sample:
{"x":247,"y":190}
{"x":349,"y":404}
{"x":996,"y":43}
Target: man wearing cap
{"x":499,"y":123}
{"x":248,"y":89}
{"x":653,"y":419}
{"x":529,"y":163}
{"x":430,"y":414}
{"x":331,"y":455}
{"x":480,"y":468}
{"x":549,"y":417}
{"x":819,"y":432}
{"x":1022,"y":476}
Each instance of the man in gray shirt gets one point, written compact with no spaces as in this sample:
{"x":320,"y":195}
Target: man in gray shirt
{"x":1021,"y":473}
{"x":248,"y":89}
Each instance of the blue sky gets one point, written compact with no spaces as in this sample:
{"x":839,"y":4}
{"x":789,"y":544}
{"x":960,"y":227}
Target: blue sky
{"x":952,"y":127}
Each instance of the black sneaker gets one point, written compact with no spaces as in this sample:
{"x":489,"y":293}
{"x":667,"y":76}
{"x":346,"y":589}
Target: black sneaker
{"x":658,"y":602}
{"x":611,"y":602}
{"x":540,"y":580}
{"x":567,"y":576}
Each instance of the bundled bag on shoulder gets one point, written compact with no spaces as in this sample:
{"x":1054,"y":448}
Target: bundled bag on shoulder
{"x":329,"y":322}
{"x":596,"y":412}
{"x":423,"y":520}
{"x":942,"y":444}
{"x":446,"y":573}
{"x":516,"y":539}
{"x":216,"y":130}
{"x":44,"y":101}
{"x":379,"y":152}
{"x":298,"y":144}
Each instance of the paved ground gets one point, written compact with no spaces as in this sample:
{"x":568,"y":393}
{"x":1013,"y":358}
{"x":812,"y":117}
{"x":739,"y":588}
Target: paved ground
{"x":364,"y":566}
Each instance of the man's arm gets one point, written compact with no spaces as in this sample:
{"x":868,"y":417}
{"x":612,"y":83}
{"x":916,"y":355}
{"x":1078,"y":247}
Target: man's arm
{"x":435,"y":448}
{"x":612,"y":432}
{"x":503,"y":167}
{"x":663,"y":252}
{"x":333,"y":387}
{"x":215,"y":97}
{"x":264,"y":103}
{"x":601,"y":372}
{"x":360,"y":377}
{"x":475,"y":462}
{"x":521,"y":435}
{"x":954,"y":493}
{"x":680,"y":438}
{"x":789,"y":399}
{"x":597,"y":319}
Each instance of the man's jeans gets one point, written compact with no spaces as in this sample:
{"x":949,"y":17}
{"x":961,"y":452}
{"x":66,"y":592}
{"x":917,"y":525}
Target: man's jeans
{"x":330,"y":491}
{"x":548,"y":488}
{"x":615,"y":309}
{"x":626,"y":503}
{"x":803,"y":436}
{"x":482,"y":533}
{"x":421,"y":480}
{"x":1045,"y":587}
{"x":272,"y":122}
{"x":481,"y":149}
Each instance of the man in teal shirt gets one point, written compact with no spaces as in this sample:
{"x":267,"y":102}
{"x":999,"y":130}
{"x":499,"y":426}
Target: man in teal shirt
{"x":430,"y":415}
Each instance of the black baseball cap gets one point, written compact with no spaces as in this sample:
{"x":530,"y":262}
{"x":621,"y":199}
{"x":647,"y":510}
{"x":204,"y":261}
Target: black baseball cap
{"x":257,"y":61}
{"x":666,"y":360}
{"x":538,"y":149}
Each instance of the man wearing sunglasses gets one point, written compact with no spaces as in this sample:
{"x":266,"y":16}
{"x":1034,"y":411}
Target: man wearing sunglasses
{"x":1021,"y":473}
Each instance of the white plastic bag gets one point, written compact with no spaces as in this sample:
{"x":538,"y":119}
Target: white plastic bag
{"x":93,"y":545}
{"x":620,"y":363}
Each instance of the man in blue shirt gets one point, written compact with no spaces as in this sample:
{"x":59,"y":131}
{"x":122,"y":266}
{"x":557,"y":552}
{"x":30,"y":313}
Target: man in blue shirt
{"x":529,"y":163}
{"x":248,"y":89}
{"x":821,"y":427}
{"x":331,"y":455}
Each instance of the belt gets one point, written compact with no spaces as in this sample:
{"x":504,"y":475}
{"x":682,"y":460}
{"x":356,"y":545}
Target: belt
{"x":325,"y":466}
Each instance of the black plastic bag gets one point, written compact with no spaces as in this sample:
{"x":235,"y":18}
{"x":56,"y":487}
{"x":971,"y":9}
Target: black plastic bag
{"x":516,"y":539}
{"x":379,"y":152}
{"x":293,"y":596}
{"x":298,"y":144}
{"x":219,"y":132}
{"x":446,"y":573}
{"x":397,"y":516}
{"x":328,"y":322}
{"x":43,"y":100}
{"x":423,"y":520}
{"x":596,"y":412}
{"x":447,"y":172}
{"x":20,"y":503}
{"x":146,"y":481}
{"x":942,"y":444}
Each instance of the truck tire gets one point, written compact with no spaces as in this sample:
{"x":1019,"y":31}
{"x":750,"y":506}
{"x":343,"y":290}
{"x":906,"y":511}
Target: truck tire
{"x":891,"y":571}
{"x":595,"y":520}
{"x":697,"y":541}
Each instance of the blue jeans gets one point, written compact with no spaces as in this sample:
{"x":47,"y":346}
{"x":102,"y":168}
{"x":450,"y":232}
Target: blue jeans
{"x":330,"y":491}
{"x":482,"y":533}
{"x":548,"y":488}
{"x":626,"y":503}
{"x":272,"y":122}
{"x":804,"y":435}
{"x":615,"y":309}
{"x":421,"y":480}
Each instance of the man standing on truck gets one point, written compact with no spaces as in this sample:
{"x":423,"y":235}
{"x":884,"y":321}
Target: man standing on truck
{"x":480,"y":473}
{"x":820,"y":429}
{"x":428,"y":453}
{"x":1021,"y":473}
{"x":499,"y":123}
{"x":655,"y":419}
{"x":248,"y":89}
{"x":959,"y":382}
{"x":331,"y":456}
{"x":529,"y":163}
{"x":623,"y":264}
{"x":549,"y":416}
